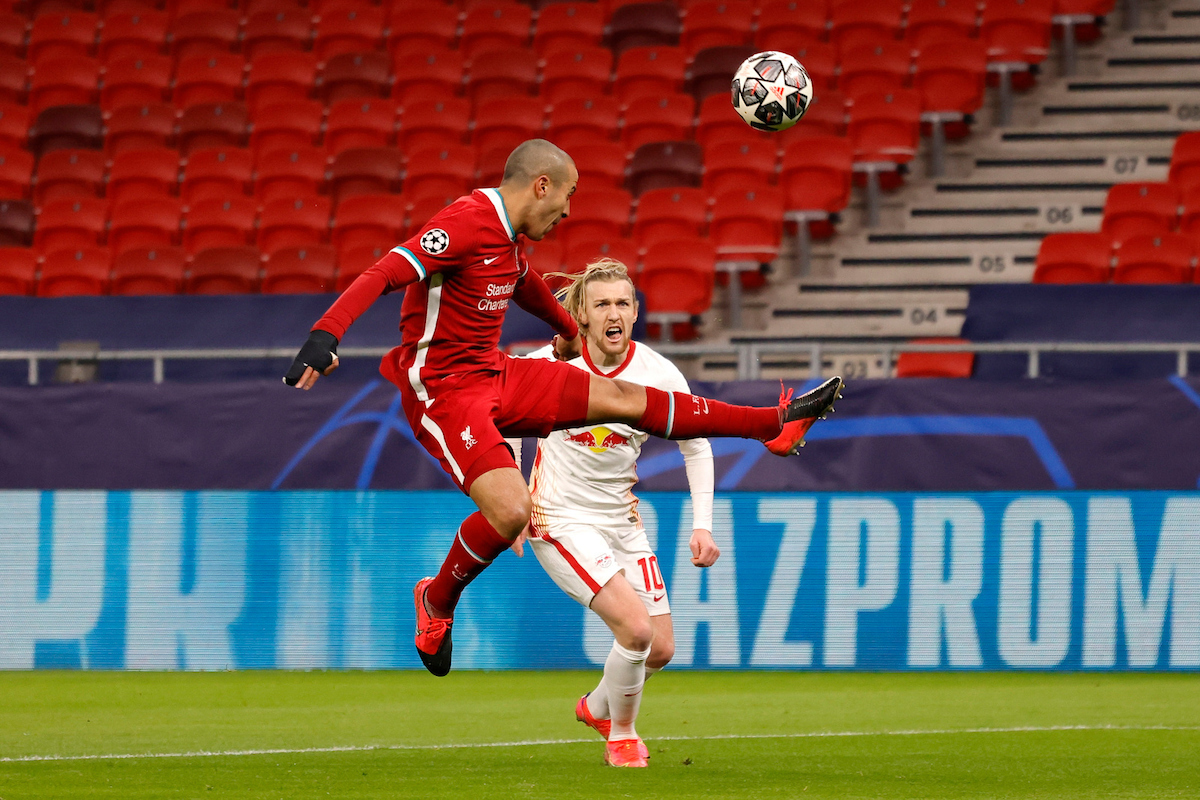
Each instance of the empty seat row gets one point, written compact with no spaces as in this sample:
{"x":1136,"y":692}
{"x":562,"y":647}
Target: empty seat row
{"x":1087,"y":257}
{"x":1150,"y":208}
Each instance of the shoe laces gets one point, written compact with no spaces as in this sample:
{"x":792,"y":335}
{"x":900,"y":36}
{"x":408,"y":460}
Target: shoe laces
{"x":437,"y":627}
{"x":784,"y":398}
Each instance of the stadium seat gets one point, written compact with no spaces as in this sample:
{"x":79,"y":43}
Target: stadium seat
{"x":61,"y":34}
{"x":879,"y":68}
{"x":1133,"y":209}
{"x":1080,"y":21}
{"x":717,"y":122}
{"x":287,"y":126}
{"x":936,"y":365}
{"x":212,"y":125}
{"x":16,"y":224}
{"x":712,"y":69}
{"x":143,"y":172}
{"x":502,"y":72}
{"x":1185,"y":161}
{"x":433,"y":124}
{"x":422,"y":207}
{"x":545,"y":256}
{"x":677,"y":278}
{"x":570,"y":25}
{"x":368,"y":170}
{"x":661,"y":164}
{"x":216,"y":172}
{"x":733,"y":163}
{"x":369,"y":220}
{"x":931,"y":22}
{"x":790,"y":25}
{"x":643,"y":24}
{"x":601,"y":164}
{"x":133,"y":34}
{"x":356,"y":28}
{"x":584,"y":71}
{"x":426,"y":73}
{"x":67,"y":127}
{"x":14,"y":124}
{"x":649,"y":70}
{"x":143,"y":271}
{"x":502,"y":124}
{"x":1189,"y":215}
{"x":1074,"y":258}
{"x":667,"y":118}
{"x":12,"y":33}
{"x":597,"y":213}
{"x":293,"y":222}
{"x":14,"y":79}
{"x":64,"y":81}
{"x":208,"y":78}
{"x":885,"y":130}
{"x":211,"y":30}
{"x":280,"y":78}
{"x":219,"y":222}
{"x":581,"y":252}
{"x":665,"y":215}
{"x":136,"y":80}
{"x":583,"y":121}
{"x":70,"y":223}
{"x":355,"y":75}
{"x":290,"y":173}
{"x":821,"y":63}
{"x":1158,"y":258}
{"x":354,"y":261}
{"x":145,"y":222}
{"x":274,"y":31}
{"x":1016,"y":30}
{"x":139,"y":127}
{"x":16,"y":172}
{"x":76,"y":271}
{"x":816,"y":176}
{"x":300,"y":270}
{"x":716,"y":23}
{"x":360,"y":123}
{"x":855,"y":23}
{"x":69,"y":173}
{"x":224,"y":270}
{"x":18,"y":271}
{"x":747,"y":225}
{"x":495,"y":25}
{"x":951,"y":78}
{"x":423,"y":24}
{"x":446,"y":170}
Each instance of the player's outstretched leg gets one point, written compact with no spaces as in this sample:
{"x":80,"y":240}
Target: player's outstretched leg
{"x":800,"y":414}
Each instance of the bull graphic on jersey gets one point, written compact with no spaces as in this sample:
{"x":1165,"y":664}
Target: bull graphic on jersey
{"x":598,"y":439}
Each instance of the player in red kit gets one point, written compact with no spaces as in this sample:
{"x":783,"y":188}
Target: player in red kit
{"x":462,"y":395}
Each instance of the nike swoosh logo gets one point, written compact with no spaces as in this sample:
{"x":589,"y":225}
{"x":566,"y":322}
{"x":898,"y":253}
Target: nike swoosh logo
{"x":659,"y":597}
{"x":490,"y":260}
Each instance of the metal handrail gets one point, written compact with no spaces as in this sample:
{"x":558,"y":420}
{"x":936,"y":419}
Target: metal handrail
{"x":748,"y":354}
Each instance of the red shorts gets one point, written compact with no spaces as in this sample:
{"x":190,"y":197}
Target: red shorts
{"x":465,"y":419}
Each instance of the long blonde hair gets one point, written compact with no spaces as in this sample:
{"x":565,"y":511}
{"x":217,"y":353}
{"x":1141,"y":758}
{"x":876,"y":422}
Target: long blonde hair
{"x":573,"y":295}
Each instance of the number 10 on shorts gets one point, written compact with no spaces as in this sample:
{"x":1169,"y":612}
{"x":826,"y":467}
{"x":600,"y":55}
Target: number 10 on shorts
{"x":650,"y":573}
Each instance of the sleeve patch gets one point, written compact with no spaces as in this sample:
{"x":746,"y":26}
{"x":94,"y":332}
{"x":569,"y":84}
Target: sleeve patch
{"x":435,"y":241}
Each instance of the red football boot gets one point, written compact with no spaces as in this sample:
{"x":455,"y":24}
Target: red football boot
{"x":625,"y":753}
{"x":800,"y":414}
{"x":602,"y":726}
{"x":433,"y":634}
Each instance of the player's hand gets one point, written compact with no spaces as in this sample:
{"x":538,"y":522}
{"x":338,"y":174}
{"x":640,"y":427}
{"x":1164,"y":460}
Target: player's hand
{"x":704,"y":550}
{"x":518,"y":545}
{"x":317,"y":357}
{"x":566,"y":349}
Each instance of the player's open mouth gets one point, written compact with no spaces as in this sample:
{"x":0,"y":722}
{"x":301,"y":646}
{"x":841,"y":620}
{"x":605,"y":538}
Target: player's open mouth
{"x":613,"y":334}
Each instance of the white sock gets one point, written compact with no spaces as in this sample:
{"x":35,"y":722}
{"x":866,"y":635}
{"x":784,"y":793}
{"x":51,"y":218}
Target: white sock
{"x":651,"y":670}
{"x":597,"y":700}
{"x":624,"y":675}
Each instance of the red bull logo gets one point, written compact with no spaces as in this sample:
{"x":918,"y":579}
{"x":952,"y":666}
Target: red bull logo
{"x":598,"y":439}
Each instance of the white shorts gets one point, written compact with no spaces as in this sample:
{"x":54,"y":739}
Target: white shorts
{"x":582,"y":558}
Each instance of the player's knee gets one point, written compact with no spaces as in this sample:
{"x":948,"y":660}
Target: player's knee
{"x":511,"y":520}
{"x":661,"y":653}
{"x":638,"y":635}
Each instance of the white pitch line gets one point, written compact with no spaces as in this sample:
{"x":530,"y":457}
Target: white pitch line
{"x":536,"y":742}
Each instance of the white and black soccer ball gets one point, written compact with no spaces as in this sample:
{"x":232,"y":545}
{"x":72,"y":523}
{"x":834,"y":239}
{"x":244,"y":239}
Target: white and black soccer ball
{"x":771,"y":91}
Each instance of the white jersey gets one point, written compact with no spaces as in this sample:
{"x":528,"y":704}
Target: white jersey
{"x":587,"y":474}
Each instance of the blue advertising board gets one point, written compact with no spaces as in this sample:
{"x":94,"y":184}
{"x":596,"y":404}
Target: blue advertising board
{"x":213,"y":580}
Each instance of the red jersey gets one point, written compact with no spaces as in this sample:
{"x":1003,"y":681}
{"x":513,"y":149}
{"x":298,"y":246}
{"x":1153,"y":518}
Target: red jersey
{"x":462,"y":268}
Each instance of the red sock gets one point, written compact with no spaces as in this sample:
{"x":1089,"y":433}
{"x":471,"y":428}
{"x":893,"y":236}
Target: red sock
{"x":675,"y":415}
{"x":474,"y":548}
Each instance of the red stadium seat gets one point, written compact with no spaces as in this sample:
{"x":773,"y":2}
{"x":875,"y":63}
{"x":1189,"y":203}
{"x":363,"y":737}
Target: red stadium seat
{"x":300,"y":270}
{"x":137,"y":80}
{"x":651,"y":70}
{"x":747,"y":225}
{"x":70,"y":223}
{"x":133,"y":34}
{"x":280,"y":78}
{"x":572,"y":25}
{"x":424,"y":24}
{"x":64,"y":81}
{"x":677,"y":278}
{"x":816,"y":178}
{"x":712,"y":70}
{"x":12,"y":33}
{"x":581,"y":252}
{"x":931,"y":22}
{"x":665,"y":215}
{"x":293,"y":222}
{"x":14,"y":79}
{"x":1185,"y":161}
{"x":14,"y":124}
{"x":69,"y":173}
{"x":661,"y":164}
{"x":885,"y":129}
{"x":143,"y":172}
{"x":658,"y":119}
{"x":503,"y":124}
{"x":1133,"y":209}
{"x":1016,"y":30}
{"x":505,"y":72}
{"x":598,"y":213}
{"x":16,"y":172}
{"x":219,"y":222}
{"x":208,"y":78}
{"x":730,"y":163}
{"x":717,"y":121}
{"x":1080,"y":19}
{"x":1074,"y":258}
{"x":18,"y":269}
{"x":546,"y":256}
{"x":368,"y":170}
{"x":601,"y":164}
{"x":951,"y":78}
{"x":67,"y":127}
{"x":790,"y":25}
{"x":716,"y":23}
{"x":426,"y":73}
{"x":360,"y":123}
{"x":821,"y":63}
{"x":1189,"y":216}
{"x":211,"y":30}
{"x":356,"y":28}
{"x":213,"y":125}
{"x":448,"y":171}
{"x":854,"y":23}
{"x":494,"y":25}
{"x":576,"y":72}
{"x":62,"y":34}
{"x":277,"y":30}
{"x":77,"y":271}
{"x":355,"y":75}
{"x":280,"y":174}
{"x":581,"y":121}
{"x":139,"y":127}
{"x":287,"y":126}
{"x":145,"y":271}
{"x":936,"y":365}
{"x":879,"y":68}
{"x":145,"y":222}
{"x":16,"y":223}
{"x":422,"y":207}
{"x":369,"y":220}
{"x":1159,"y":258}
{"x":224,"y":270}
{"x":217,"y":172}
{"x":353,"y":262}
{"x":643,"y":24}
{"x":433,"y":124}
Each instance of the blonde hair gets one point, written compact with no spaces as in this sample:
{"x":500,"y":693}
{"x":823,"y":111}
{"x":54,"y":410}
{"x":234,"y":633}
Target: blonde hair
{"x":573,"y":295}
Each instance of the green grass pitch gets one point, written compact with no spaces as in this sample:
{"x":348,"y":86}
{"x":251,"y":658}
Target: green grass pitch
{"x":513,"y":734}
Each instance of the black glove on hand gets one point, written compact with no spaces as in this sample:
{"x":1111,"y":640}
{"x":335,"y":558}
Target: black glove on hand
{"x":317,"y":353}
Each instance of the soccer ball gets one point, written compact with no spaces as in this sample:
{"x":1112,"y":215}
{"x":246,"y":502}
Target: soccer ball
{"x":771,"y":91}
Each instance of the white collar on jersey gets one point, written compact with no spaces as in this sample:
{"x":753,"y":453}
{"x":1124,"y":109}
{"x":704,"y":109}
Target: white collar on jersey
{"x":501,"y":211}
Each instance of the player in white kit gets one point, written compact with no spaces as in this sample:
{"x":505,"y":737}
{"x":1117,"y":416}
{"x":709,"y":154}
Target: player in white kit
{"x":585,"y":528}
